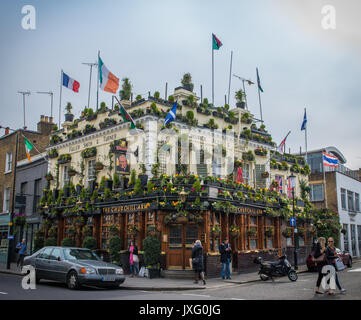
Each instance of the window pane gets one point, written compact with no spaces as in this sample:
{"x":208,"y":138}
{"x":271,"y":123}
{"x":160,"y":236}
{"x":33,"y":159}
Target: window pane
{"x":343,"y":198}
{"x":316,"y":192}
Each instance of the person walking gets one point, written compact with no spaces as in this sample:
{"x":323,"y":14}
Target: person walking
{"x":319,"y":253}
{"x":21,"y":246}
{"x":133,"y":259}
{"x":226,"y":258}
{"x":197,"y":261}
{"x":331,"y":257}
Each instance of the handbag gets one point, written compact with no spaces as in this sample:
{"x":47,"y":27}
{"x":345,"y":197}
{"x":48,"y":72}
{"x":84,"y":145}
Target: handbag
{"x":135,"y":258}
{"x":339,"y":264}
{"x":320,"y":258}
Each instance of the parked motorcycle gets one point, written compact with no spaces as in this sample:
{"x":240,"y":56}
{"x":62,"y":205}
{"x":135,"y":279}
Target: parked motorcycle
{"x":280,"y":268}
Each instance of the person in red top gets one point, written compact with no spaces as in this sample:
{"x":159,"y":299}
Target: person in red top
{"x":331,"y":257}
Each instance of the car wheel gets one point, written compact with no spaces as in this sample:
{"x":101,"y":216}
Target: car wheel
{"x":263,"y":277}
{"x":292,"y":275}
{"x":72,"y":280}
{"x":349,"y":263}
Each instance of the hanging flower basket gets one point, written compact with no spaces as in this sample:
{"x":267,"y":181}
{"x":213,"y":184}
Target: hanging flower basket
{"x":99,"y":166}
{"x":287,"y":233}
{"x":49,"y":177}
{"x":235,"y":234}
{"x":269,"y":232}
{"x":71,"y":172}
{"x":251,"y":232}
{"x":265,"y":174}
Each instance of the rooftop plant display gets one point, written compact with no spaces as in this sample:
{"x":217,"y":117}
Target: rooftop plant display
{"x":187,"y":81}
{"x":126,"y":90}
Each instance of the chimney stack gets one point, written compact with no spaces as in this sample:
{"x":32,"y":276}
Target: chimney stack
{"x":7,"y":130}
{"x":44,"y":125}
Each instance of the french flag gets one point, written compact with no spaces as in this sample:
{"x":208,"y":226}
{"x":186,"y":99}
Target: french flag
{"x":70,"y":83}
{"x":329,"y":160}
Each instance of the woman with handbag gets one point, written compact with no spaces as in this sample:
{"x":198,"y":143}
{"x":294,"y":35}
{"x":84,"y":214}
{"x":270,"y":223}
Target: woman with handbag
{"x":197,"y":261}
{"x":319,"y":256}
{"x":133,"y":258}
{"x":331,"y":257}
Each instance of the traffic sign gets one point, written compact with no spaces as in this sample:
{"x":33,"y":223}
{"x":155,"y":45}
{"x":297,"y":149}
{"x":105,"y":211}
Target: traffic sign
{"x":292,"y":222}
{"x":10,"y":237}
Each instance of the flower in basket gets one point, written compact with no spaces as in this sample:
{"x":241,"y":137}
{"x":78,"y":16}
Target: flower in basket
{"x":133,"y":229}
{"x":269,"y":232}
{"x":251,"y":232}
{"x":216,"y":229}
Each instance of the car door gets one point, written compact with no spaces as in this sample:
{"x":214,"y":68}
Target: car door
{"x":41,"y":263}
{"x":56,"y":265}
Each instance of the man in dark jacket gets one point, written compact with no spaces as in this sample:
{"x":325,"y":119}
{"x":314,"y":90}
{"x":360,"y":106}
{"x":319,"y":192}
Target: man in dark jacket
{"x":226,"y":258}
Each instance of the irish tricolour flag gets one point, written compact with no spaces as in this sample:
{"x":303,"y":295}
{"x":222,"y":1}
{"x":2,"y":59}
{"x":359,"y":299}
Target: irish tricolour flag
{"x":28,"y":148}
{"x":107,"y":81}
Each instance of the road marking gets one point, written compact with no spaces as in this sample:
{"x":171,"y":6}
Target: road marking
{"x":198,"y":295}
{"x":3,"y":293}
{"x":355,"y":270}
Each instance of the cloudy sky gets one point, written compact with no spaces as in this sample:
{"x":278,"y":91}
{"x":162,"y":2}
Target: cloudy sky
{"x":154,"y":42}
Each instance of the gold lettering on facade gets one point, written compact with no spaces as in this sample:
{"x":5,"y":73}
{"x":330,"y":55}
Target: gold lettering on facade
{"x":126,"y":208}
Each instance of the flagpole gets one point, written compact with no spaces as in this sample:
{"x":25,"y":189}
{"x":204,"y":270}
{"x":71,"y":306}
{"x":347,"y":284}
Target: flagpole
{"x":306,"y":136}
{"x":230,"y":72}
{"x":47,"y":160}
{"x":98,"y":81}
{"x":259,"y":95}
{"x":61,"y":91}
{"x":324,"y":182}
{"x":212,"y":73}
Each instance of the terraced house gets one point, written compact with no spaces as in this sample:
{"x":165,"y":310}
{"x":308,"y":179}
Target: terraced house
{"x":211,"y":173}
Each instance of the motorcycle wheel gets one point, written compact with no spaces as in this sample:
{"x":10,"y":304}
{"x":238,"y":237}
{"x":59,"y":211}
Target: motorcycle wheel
{"x":263,"y":277}
{"x":292,"y":275}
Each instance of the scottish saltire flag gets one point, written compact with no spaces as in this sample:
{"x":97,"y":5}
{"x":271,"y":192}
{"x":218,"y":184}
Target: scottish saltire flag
{"x":259,"y":81}
{"x":279,"y":181}
{"x":70,"y":83}
{"x":303,"y":127}
{"x":329,"y":161}
{"x":216,"y":42}
{"x":171,"y":114}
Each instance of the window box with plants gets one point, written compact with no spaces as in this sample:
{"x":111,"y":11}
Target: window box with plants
{"x":108,"y":122}
{"x":55,"y":139}
{"x":260,"y":152}
{"x":89,"y":128}
{"x":89,"y":152}
{"x":248,"y":156}
{"x":251,"y":232}
{"x":53,"y":153}
{"x":64,"y":158}
{"x":74,"y":134}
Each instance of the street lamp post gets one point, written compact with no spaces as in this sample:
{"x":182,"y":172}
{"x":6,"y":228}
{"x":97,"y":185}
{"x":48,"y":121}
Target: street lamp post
{"x":292,"y":178}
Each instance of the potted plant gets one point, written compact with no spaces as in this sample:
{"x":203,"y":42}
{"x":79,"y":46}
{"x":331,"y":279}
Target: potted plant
{"x":53,"y":153}
{"x":251,"y":232}
{"x":240,"y":96}
{"x":216,"y":231}
{"x":152,"y":253}
{"x":69,"y":116}
{"x":187,"y":82}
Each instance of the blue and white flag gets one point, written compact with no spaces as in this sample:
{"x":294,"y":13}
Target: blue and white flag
{"x":171,"y":114}
{"x":303,"y":127}
{"x":329,"y":160}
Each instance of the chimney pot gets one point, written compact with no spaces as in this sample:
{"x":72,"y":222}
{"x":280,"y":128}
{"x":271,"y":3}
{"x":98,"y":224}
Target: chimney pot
{"x":7,"y":130}
{"x":51,"y":119}
{"x":46,"y":119}
{"x":42,"y":118}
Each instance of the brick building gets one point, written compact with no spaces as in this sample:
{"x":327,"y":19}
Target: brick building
{"x":40,"y":139}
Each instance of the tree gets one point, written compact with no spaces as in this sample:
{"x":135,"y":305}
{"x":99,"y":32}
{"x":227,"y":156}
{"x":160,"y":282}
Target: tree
{"x":126,"y":91}
{"x":326,"y":223}
{"x":152,"y":251}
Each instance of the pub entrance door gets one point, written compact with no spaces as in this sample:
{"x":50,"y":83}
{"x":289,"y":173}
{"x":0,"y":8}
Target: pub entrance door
{"x":181,"y":239}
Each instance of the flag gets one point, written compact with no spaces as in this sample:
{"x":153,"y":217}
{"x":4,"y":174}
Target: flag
{"x":216,"y":42}
{"x":239,"y":175}
{"x":289,"y":188}
{"x":28,"y":148}
{"x":126,"y":116}
{"x":171,"y":114}
{"x":329,"y":161}
{"x":70,"y":83}
{"x":281,"y":147}
{"x":303,"y":127}
{"x":259,"y":81}
{"x":279,"y":181}
{"x":108,"y":81}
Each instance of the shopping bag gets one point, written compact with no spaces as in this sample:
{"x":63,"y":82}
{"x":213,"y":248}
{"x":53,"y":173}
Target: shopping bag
{"x":141,"y":272}
{"x":339,"y":264}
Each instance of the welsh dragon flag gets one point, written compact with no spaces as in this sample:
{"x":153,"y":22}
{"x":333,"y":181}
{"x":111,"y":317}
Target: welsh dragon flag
{"x":126,"y":117}
{"x":28,"y":148}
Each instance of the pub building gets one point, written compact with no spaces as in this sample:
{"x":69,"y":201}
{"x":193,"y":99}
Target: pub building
{"x":210,"y":174}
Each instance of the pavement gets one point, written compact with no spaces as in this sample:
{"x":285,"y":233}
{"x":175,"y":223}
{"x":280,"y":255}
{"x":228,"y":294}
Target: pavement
{"x":168,"y":284}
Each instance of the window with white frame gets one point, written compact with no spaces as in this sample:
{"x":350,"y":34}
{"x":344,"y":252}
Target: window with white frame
{"x":316,"y":193}
{"x":343,"y":199}
{"x":66,"y":177}
{"x":246,"y":173}
{"x":350,"y":204}
{"x":91,"y":171}
{"x":6,"y":200}
{"x":9,"y":162}
{"x":357,"y":202}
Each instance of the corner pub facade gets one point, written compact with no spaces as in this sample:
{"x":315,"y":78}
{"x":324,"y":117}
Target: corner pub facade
{"x":94,"y":152}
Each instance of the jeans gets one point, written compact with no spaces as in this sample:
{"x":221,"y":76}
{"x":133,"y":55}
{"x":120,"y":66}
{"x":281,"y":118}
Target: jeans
{"x":134,"y":266}
{"x":225,"y":266}
{"x":20,"y":260}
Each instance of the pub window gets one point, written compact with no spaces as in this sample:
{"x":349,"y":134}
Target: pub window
{"x":37,"y":192}
{"x":260,"y":181}
{"x":131,"y":218}
{"x":216,"y":218}
{"x":246,"y":173}
{"x":150,"y":217}
{"x":91,"y":176}
{"x":66,"y":177}
{"x":252,"y":232}
{"x":175,"y":237}
{"x":107,"y":221}
{"x":269,"y":233}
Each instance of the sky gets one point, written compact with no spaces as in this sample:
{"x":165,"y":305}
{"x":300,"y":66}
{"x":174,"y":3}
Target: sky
{"x":154,"y":42}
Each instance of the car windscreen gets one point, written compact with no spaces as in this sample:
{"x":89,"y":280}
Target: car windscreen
{"x":78,"y":254}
